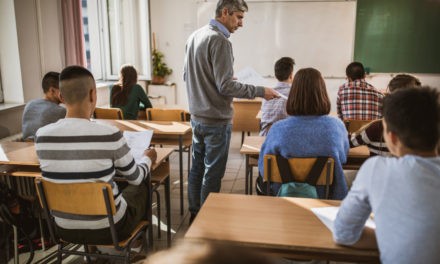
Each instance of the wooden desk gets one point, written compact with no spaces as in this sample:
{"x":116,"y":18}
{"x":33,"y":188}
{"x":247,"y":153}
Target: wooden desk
{"x":18,"y":153}
{"x":275,"y":225}
{"x":245,"y":112}
{"x":252,"y":145}
{"x":164,"y":133}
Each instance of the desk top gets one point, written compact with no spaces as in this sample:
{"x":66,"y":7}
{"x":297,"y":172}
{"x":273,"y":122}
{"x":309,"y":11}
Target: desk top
{"x":23,"y":153}
{"x":277,"y":225}
{"x":159,"y":127}
{"x":18,"y":153}
{"x":256,"y":100}
{"x":252,"y":146}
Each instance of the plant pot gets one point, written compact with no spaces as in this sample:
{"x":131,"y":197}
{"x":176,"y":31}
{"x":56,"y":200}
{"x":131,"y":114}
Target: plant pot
{"x":158,"y":80}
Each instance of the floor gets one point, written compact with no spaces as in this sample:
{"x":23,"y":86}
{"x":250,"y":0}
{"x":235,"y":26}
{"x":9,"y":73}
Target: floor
{"x":233,"y":182}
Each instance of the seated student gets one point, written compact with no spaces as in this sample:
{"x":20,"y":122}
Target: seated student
{"x":76,"y":149}
{"x":40,"y":112}
{"x":127,"y":95}
{"x":356,"y":98}
{"x":275,"y":109}
{"x":372,"y":135}
{"x":402,"y":191}
{"x":308,"y":131}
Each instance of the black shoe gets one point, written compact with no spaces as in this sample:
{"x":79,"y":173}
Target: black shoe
{"x":191,"y":218}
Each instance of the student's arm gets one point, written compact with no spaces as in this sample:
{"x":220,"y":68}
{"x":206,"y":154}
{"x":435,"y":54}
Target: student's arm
{"x":354,"y":211}
{"x":338,"y":105}
{"x":125,"y":165}
{"x":367,"y":135}
{"x":144,"y":98}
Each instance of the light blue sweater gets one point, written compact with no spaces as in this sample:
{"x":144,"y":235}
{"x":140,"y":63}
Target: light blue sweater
{"x":310,"y":136}
{"x":403,"y":193}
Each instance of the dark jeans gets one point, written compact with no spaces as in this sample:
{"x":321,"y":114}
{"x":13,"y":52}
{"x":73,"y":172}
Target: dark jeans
{"x":137,"y":209}
{"x":209,"y":156}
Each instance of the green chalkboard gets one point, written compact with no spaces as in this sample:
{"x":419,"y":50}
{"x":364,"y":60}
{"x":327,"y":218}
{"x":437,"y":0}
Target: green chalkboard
{"x":398,"y":35}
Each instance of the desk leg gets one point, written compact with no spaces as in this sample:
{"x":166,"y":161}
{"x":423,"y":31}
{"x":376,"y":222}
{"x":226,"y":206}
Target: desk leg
{"x":251,"y":180}
{"x":168,"y":208}
{"x":246,"y":187}
{"x":16,"y":260}
{"x":181,"y":172}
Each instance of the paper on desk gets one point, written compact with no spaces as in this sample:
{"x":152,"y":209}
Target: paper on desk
{"x":327,"y":215}
{"x":138,"y":142}
{"x":250,"y":76}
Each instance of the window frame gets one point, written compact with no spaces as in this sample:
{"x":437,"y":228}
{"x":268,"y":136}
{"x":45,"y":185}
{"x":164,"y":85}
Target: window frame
{"x":100,"y":38}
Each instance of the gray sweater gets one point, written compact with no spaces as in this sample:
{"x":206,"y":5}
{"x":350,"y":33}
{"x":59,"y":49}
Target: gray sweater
{"x":38,"y":113}
{"x":208,"y":73}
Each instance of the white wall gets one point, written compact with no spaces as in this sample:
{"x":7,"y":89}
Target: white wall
{"x":173,"y":21}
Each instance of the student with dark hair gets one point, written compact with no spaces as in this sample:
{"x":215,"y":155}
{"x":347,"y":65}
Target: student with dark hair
{"x":127,"y":94}
{"x":74,"y":150}
{"x":402,"y":191}
{"x":308,"y":131}
{"x":275,"y":109}
{"x":372,"y":134}
{"x":40,"y":112}
{"x":356,"y":98}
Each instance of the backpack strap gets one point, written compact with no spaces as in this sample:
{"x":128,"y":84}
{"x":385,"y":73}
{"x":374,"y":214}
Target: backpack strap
{"x":284,"y":168}
{"x":312,"y":177}
{"x":315,"y":171}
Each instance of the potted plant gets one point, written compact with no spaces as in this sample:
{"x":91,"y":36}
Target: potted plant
{"x":160,"y":68}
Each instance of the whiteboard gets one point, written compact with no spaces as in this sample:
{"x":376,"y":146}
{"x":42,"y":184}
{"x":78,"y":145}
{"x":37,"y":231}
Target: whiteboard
{"x":318,"y":34}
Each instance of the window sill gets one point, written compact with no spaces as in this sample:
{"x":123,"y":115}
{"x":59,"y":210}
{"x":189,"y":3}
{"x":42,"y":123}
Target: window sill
{"x":10,"y":106}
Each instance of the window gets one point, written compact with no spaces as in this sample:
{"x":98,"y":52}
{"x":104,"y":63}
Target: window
{"x":116,"y":32}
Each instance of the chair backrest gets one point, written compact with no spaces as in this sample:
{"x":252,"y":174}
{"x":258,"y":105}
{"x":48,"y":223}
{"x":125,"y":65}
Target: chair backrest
{"x":75,"y":198}
{"x":300,"y":168}
{"x":108,"y":113}
{"x":354,"y":125}
{"x":160,"y":114}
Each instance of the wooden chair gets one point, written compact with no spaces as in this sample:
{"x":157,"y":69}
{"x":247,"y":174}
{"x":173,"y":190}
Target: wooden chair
{"x":354,"y":125}
{"x":159,"y":114}
{"x":300,"y":168}
{"x":108,"y":113}
{"x":91,"y":199}
{"x":245,"y":116}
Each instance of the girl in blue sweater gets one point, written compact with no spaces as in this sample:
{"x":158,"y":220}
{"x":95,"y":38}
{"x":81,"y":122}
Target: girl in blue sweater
{"x":309,"y":131}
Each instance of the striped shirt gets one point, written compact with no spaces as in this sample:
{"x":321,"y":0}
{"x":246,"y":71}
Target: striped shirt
{"x":75,"y":150}
{"x":275,"y":109}
{"x":372,"y":137}
{"x":359,"y":100}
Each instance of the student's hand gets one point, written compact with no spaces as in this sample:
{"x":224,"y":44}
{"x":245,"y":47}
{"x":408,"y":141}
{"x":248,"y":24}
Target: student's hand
{"x":270,"y":93}
{"x":152,"y":154}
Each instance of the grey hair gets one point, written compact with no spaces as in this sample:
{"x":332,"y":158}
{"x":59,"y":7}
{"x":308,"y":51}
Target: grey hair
{"x":231,"y":5}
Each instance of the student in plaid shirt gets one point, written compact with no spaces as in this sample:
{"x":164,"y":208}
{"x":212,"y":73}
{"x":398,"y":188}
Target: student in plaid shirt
{"x":275,"y":109}
{"x":358,"y":99}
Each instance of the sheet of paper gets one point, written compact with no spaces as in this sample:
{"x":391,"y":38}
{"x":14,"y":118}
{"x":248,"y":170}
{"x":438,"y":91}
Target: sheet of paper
{"x":138,"y":142}
{"x":250,"y":76}
{"x":327,"y":215}
{"x":282,"y":96}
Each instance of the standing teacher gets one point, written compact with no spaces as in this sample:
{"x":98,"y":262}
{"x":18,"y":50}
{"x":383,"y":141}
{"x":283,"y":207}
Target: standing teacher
{"x":208,"y":73}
